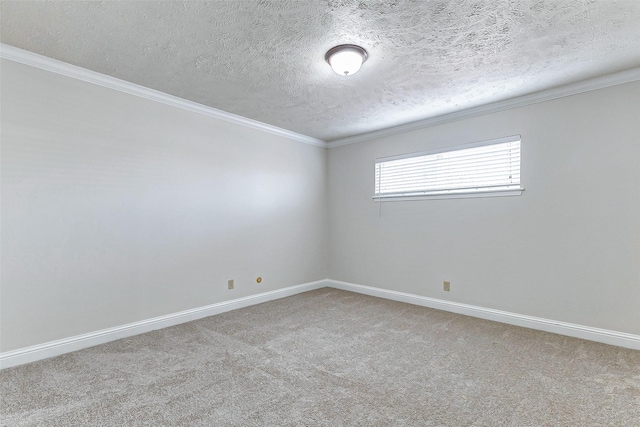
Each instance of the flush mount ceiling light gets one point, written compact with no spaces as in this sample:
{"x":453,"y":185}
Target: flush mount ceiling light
{"x":346,"y":59}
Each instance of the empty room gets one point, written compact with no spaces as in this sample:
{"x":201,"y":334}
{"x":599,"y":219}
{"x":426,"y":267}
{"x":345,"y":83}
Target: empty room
{"x":320,"y":213}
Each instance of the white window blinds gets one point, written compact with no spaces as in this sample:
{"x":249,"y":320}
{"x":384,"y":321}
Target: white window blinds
{"x":487,"y":167}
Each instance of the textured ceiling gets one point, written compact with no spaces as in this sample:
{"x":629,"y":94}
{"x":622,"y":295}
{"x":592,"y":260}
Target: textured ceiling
{"x":265,"y":59}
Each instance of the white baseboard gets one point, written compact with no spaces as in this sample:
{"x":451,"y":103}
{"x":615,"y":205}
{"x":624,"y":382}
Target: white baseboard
{"x":79,"y":342}
{"x":67,"y":345}
{"x":620,"y":339}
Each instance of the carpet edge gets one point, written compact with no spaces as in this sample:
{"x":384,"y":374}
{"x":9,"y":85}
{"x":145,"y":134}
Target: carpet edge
{"x":67,"y":345}
{"x":605,"y":336}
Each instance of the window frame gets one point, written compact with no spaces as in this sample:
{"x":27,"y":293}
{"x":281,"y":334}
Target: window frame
{"x":445,"y":194}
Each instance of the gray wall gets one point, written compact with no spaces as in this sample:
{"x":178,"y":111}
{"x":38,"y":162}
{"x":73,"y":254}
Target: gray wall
{"x":117,"y":209}
{"x":568,"y":249}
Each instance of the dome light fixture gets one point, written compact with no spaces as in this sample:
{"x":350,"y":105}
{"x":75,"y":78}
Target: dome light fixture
{"x":346,"y":59}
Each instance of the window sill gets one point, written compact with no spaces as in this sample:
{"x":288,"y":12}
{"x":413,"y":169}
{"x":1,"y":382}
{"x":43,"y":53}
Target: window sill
{"x":468,"y":195}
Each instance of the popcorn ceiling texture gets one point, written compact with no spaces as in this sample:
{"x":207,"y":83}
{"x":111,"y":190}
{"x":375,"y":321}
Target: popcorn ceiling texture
{"x":265,"y":59}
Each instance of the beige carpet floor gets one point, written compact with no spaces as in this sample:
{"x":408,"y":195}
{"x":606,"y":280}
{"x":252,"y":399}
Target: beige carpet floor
{"x":331,"y":358}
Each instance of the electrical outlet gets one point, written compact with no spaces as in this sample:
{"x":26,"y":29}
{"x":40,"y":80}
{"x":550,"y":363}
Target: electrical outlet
{"x":230,"y":284}
{"x":447,"y":286}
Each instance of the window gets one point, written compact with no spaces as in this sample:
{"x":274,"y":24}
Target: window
{"x":489,"y":168}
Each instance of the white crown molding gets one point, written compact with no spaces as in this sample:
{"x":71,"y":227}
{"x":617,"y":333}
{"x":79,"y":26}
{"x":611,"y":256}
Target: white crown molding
{"x":67,"y":345}
{"x":620,"y":339}
{"x":35,"y":60}
{"x":49,"y":64}
{"x":494,"y":107}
